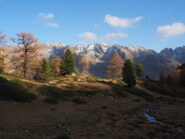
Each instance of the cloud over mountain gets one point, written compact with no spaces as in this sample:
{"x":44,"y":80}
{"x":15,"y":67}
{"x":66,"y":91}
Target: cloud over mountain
{"x":88,"y":36}
{"x":114,"y":36}
{"x":121,"y":22}
{"x":172,"y":30}
{"x":108,"y":37}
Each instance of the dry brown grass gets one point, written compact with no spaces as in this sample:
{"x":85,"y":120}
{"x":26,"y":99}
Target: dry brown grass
{"x":96,"y":109}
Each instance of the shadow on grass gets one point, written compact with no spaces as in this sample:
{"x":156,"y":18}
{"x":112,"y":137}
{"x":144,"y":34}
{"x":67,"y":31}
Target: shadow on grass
{"x":14,"y":91}
{"x":139,"y":92}
{"x":54,"y":94}
{"x":122,"y":91}
{"x":156,"y":86}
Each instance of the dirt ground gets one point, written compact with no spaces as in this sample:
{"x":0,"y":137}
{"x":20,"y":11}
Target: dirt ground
{"x":101,"y":117}
{"x":110,"y":111}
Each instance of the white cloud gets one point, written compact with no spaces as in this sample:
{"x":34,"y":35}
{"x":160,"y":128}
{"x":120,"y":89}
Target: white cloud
{"x":121,"y":22}
{"x":172,"y":30}
{"x":46,"y":16}
{"x":88,"y":36}
{"x":114,"y":36}
{"x":47,"y":20}
{"x":109,"y":37}
{"x":54,"y":25}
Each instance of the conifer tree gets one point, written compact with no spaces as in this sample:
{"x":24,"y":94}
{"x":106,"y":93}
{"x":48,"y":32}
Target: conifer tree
{"x":2,"y":56}
{"x":162,"y":77}
{"x":2,"y":38}
{"x":85,"y":64}
{"x":169,"y":79}
{"x":26,"y":52}
{"x":47,"y":69}
{"x":68,"y":63}
{"x":139,"y":70}
{"x":2,"y":65}
{"x":114,"y":67}
{"x":57,"y":64}
{"x":128,"y":73}
{"x":182,"y":77}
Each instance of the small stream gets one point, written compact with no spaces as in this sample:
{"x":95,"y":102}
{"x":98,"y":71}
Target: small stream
{"x":152,"y":119}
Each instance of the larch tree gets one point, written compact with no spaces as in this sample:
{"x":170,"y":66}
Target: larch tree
{"x":57,"y":64}
{"x":128,"y":73}
{"x":2,"y":38}
{"x":2,"y":56}
{"x":162,"y":77}
{"x":182,"y":75}
{"x":68,"y":63}
{"x":115,"y":65}
{"x":84,"y":64}
{"x":26,"y":53}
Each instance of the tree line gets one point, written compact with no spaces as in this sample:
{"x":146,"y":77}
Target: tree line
{"x":117,"y":68}
{"x":27,"y":61}
{"x":175,"y":79}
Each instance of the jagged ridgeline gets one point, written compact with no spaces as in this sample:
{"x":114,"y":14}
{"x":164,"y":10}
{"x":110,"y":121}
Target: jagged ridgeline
{"x":93,"y":59}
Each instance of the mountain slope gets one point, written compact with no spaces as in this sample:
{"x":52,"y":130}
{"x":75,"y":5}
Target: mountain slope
{"x":177,"y":53}
{"x":96,"y":57}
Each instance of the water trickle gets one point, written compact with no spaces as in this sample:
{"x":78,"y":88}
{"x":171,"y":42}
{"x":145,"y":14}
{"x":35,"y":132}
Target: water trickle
{"x":152,"y":119}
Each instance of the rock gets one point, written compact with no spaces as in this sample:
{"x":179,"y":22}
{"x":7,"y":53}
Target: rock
{"x":69,"y":130}
{"x":110,"y":98}
{"x":26,"y":131}
{"x":59,"y":125}
{"x":73,"y":74}
{"x":53,"y":81}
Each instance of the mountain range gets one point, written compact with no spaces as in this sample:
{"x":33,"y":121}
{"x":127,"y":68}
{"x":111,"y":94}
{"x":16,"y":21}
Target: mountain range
{"x":98,"y":55}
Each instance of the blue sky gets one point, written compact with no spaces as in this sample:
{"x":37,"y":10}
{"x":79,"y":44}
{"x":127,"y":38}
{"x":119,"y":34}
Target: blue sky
{"x":153,"y":24}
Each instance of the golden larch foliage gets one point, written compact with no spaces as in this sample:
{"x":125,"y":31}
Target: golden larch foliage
{"x":115,"y":65}
{"x":26,"y":54}
{"x":57,"y":65}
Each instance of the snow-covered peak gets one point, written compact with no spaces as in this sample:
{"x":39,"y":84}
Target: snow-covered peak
{"x":57,"y":44}
{"x":90,"y":47}
{"x":80,"y":49}
{"x":103,"y":46}
{"x":136,"y":48}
